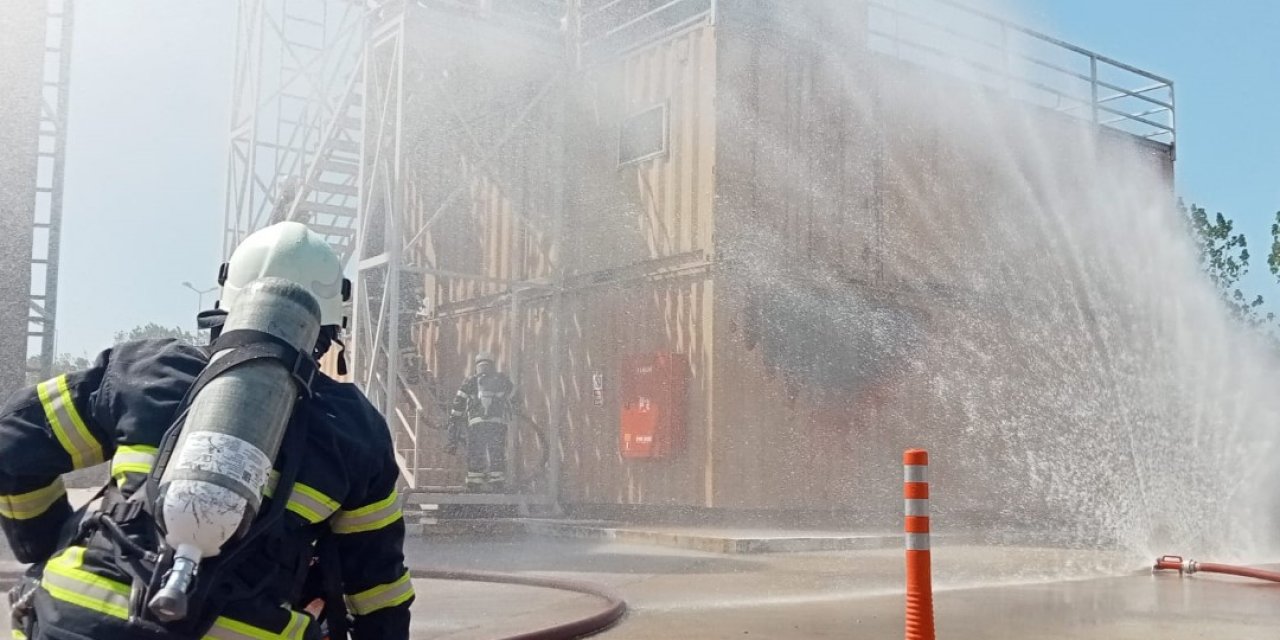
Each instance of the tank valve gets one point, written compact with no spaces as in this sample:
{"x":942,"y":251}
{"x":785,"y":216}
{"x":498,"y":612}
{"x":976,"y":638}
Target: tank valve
{"x":170,"y":603}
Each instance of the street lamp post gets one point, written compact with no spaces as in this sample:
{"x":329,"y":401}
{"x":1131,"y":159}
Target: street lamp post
{"x":200,"y":301}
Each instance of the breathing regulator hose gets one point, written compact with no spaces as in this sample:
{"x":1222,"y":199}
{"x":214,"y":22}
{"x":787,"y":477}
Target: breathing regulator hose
{"x":1189,"y":567}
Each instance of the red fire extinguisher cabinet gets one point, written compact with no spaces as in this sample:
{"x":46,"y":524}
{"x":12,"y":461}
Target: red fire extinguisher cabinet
{"x":653,"y":389}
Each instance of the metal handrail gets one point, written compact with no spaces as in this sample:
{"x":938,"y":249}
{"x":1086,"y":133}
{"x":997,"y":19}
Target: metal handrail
{"x":486,"y":8}
{"x":1099,"y":96}
{"x":596,"y":26}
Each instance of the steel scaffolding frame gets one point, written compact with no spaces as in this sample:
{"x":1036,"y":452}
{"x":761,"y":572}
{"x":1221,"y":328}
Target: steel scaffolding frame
{"x":385,"y":245}
{"x":295,"y":118}
{"x":317,"y":130}
{"x":50,"y":174}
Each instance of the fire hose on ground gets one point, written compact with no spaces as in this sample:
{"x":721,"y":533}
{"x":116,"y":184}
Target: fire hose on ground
{"x":1190,"y":567}
{"x":614,"y":606}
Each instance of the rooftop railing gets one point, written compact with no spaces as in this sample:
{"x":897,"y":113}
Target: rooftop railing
{"x":1030,"y":66}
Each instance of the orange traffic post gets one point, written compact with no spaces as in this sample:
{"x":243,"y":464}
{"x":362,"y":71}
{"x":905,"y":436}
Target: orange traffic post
{"x":915,"y":491}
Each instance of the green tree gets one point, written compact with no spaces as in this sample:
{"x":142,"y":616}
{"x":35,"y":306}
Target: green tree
{"x":66,"y":363}
{"x":1224,"y":257}
{"x":1273,"y":258}
{"x":62,"y":363}
{"x":153,"y":330}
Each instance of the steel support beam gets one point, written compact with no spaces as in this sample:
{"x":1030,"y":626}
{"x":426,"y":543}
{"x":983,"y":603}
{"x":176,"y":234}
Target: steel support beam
{"x":46,"y":220}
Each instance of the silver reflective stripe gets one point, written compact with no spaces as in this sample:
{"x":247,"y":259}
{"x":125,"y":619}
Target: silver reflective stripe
{"x":66,"y":424}
{"x":480,"y":419}
{"x":382,"y":596}
{"x":304,"y":501}
{"x":369,"y":517}
{"x":311,"y":504}
{"x":32,"y":504}
{"x":917,"y":507}
{"x":132,"y":459}
{"x":915,"y":473}
{"x":65,"y":580}
{"x":917,"y":542}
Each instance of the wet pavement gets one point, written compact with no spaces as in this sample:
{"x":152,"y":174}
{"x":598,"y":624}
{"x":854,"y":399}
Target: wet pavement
{"x":981,"y":593}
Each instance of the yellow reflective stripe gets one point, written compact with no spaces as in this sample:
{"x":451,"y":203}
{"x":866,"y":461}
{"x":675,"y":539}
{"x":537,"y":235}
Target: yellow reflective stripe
{"x":227,"y":629}
{"x":18,"y":635}
{"x":66,"y":423}
{"x":25,"y":506}
{"x":311,"y":504}
{"x":382,"y":596}
{"x":370,"y":517}
{"x":305,"y":501}
{"x":132,"y":459}
{"x":65,"y":580}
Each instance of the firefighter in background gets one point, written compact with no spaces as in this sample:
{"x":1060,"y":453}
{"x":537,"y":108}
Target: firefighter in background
{"x":482,"y":410}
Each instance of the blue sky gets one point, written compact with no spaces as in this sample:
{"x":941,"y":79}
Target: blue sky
{"x":146,"y":157}
{"x":150,"y":114}
{"x":1224,"y":59}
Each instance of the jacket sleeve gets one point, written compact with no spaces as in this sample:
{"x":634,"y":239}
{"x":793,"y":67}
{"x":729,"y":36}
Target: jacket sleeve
{"x":516,"y":399}
{"x":45,"y":431}
{"x":461,"y":399}
{"x":370,"y":535}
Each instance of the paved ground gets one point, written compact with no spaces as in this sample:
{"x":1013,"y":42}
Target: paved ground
{"x":982,"y":593}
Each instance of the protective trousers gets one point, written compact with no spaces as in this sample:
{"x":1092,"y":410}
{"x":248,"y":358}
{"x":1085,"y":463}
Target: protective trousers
{"x":486,"y":455}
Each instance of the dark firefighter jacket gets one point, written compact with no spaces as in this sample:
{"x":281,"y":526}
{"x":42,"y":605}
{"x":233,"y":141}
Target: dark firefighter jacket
{"x":117,"y":411}
{"x":489,"y":398}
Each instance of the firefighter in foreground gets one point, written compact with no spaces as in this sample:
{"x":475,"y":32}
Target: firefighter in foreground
{"x":483,"y":409}
{"x":326,"y":521}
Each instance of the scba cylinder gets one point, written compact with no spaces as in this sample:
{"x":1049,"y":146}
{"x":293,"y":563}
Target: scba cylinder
{"x":212,"y":488}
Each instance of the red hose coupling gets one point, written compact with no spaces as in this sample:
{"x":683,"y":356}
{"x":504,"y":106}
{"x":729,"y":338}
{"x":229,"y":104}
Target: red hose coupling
{"x":1175,"y":563}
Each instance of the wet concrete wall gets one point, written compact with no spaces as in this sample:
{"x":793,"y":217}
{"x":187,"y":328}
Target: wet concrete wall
{"x":21,"y":70}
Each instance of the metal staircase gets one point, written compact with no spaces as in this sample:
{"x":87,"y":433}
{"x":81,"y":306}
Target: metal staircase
{"x":328,"y":198}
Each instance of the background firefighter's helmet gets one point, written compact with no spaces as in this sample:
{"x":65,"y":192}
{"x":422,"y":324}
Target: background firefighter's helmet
{"x":485,"y":356}
{"x":291,"y":251}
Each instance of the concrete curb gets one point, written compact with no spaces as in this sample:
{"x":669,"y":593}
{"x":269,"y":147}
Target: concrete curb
{"x":713,"y":543}
{"x":693,"y":541}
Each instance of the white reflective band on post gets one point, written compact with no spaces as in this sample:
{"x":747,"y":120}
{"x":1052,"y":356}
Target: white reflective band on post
{"x":916,"y":507}
{"x":917,"y":542}
{"x":914,"y":473}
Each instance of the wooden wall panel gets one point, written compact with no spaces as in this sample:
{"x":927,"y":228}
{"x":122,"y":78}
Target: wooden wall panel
{"x":604,"y":325}
{"x":661,"y":207}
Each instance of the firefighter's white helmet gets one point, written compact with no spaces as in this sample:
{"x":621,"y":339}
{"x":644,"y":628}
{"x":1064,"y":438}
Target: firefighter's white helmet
{"x":291,"y":251}
{"x":485,"y":356}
